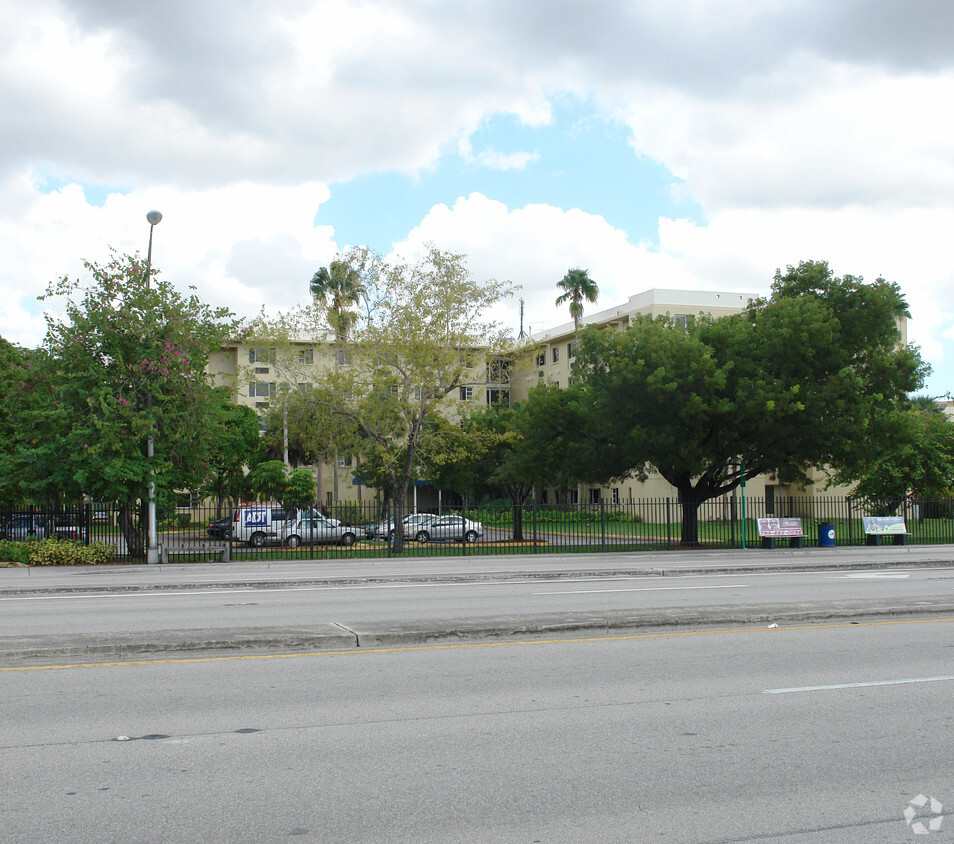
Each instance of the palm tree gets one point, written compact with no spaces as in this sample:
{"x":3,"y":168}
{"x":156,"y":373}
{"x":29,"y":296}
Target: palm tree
{"x":577,"y":286}
{"x":338,"y":286}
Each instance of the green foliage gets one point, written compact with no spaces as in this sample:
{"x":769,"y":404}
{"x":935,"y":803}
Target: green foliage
{"x":127,"y":363}
{"x":16,"y":552}
{"x":272,"y":481}
{"x":911,"y":457}
{"x":58,"y":552}
{"x":299,"y":492}
{"x":795,"y":381}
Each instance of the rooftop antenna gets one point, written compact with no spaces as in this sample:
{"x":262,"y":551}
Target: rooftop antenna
{"x":522,"y":333}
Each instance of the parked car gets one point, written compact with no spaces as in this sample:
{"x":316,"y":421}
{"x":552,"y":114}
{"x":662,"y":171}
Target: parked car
{"x":454,"y":528}
{"x":412,"y":524}
{"x":317,"y":530}
{"x":220,"y":528}
{"x":18,"y":527}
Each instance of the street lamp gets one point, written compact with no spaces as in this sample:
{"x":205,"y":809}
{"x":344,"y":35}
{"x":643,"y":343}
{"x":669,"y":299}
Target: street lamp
{"x":152,"y":553}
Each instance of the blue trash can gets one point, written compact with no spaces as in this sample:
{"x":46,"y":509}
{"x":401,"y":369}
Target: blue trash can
{"x":826,"y":535}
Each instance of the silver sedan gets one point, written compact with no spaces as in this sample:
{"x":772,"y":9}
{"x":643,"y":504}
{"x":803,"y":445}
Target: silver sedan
{"x":455,"y":528}
{"x":317,"y":530}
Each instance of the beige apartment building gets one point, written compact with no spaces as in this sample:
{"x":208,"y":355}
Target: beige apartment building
{"x":257,"y":372}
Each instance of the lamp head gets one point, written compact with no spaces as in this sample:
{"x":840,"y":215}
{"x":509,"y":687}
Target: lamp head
{"x":153,"y":217}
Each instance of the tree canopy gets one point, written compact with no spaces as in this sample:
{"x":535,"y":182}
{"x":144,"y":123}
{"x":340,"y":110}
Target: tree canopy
{"x":793,"y":382}
{"x":422,"y":334}
{"x":127,"y":362}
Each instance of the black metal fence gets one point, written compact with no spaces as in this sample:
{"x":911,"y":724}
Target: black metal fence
{"x":349,"y":529}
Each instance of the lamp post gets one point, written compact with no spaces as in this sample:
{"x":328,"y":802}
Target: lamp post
{"x":152,"y":553}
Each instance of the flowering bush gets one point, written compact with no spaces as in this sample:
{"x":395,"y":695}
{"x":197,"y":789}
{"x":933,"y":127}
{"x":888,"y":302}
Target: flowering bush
{"x":58,"y":552}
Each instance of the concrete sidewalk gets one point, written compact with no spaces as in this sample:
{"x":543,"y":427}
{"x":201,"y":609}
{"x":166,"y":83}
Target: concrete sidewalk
{"x":329,"y":636}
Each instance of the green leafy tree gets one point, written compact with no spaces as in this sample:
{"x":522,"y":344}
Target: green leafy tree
{"x":793,"y":382}
{"x":911,"y":458}
{"x":423,"y":336}
{"x":127,"y":362}
{"x":577,"y":287}
{"x":235,"y":446}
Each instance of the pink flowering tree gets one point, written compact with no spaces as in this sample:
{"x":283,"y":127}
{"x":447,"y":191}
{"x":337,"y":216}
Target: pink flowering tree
{"x":126,"y":361}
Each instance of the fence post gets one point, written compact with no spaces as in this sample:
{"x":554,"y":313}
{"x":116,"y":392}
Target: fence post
{"x":534,"y":525}
{"x":602,"y":523}
{"x":669,"y":523}
{"x":851,"y":540}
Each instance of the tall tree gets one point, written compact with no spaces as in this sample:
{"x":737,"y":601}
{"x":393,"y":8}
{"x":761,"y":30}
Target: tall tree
{"x":424,"y":335}
{"x":127,"y":362}
{"x":340,"y":287}
{"x":577,"y":288}
{"x":792,"y":382}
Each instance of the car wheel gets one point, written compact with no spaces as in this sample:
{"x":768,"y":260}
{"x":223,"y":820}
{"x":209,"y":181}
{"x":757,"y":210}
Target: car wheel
{"x":470,"y":536}
{"x":422,"y":536}
{"x":391,"y":536}
{"x":293,"y":541}
{"x":348,"y":539}
{"x":257,"y":540}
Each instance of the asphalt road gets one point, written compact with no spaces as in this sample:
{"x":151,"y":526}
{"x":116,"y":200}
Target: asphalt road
{"x":823,"y":734}
{"x":354,"y":605}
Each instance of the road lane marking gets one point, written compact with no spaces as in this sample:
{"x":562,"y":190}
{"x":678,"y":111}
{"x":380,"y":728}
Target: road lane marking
{"x":874,"y":575}
{"x":470,"y":645}
{"x":645,"y":589}
{"x":862,"y":685}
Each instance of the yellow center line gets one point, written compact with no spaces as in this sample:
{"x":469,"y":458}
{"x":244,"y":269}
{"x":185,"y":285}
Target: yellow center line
{"x":466,"y":645}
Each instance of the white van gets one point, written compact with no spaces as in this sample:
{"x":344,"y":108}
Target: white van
{"x":261,"y":524}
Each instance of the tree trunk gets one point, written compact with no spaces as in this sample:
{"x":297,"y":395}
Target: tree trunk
{"x":689,"y":536}
{"x":518,"y":521}
{"x":133,"y":529}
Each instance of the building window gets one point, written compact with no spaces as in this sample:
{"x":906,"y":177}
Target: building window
{"x":574,"y":496}
{"x":571,"y":349}
{"x":495,"y":396}
{"x":542,"y":359}
{"x":615,"y":495}
{"x":304,"y":385}
{"x":261,"y":355}
{"x":466,"y":393}
{"x":343,"y":358}
{"x":261,"y":389}
{"x":543,"y":497}
{"x":556,"y":354}
{"x":682,"y":320}
{"x":498,"y":371}
{"x":306,"y":356}
{"x":261,"y":370}
{"x":187,"y":500}
{"x":344,"y":460}
{"x":594,"y":496}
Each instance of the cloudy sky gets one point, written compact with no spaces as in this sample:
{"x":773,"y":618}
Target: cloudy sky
{"x":689,"y":144}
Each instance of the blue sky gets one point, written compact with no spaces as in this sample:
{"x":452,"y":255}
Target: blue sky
{"x":686,"y":146}
{"x":580,"y":159}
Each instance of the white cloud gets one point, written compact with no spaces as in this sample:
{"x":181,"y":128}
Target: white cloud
{"x":241,"y":246}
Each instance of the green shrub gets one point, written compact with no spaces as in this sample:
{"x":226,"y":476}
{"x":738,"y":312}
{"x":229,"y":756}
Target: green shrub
{"x":176,"y":521}
{"x":15,"y":552}
{"x":59,"y":552}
